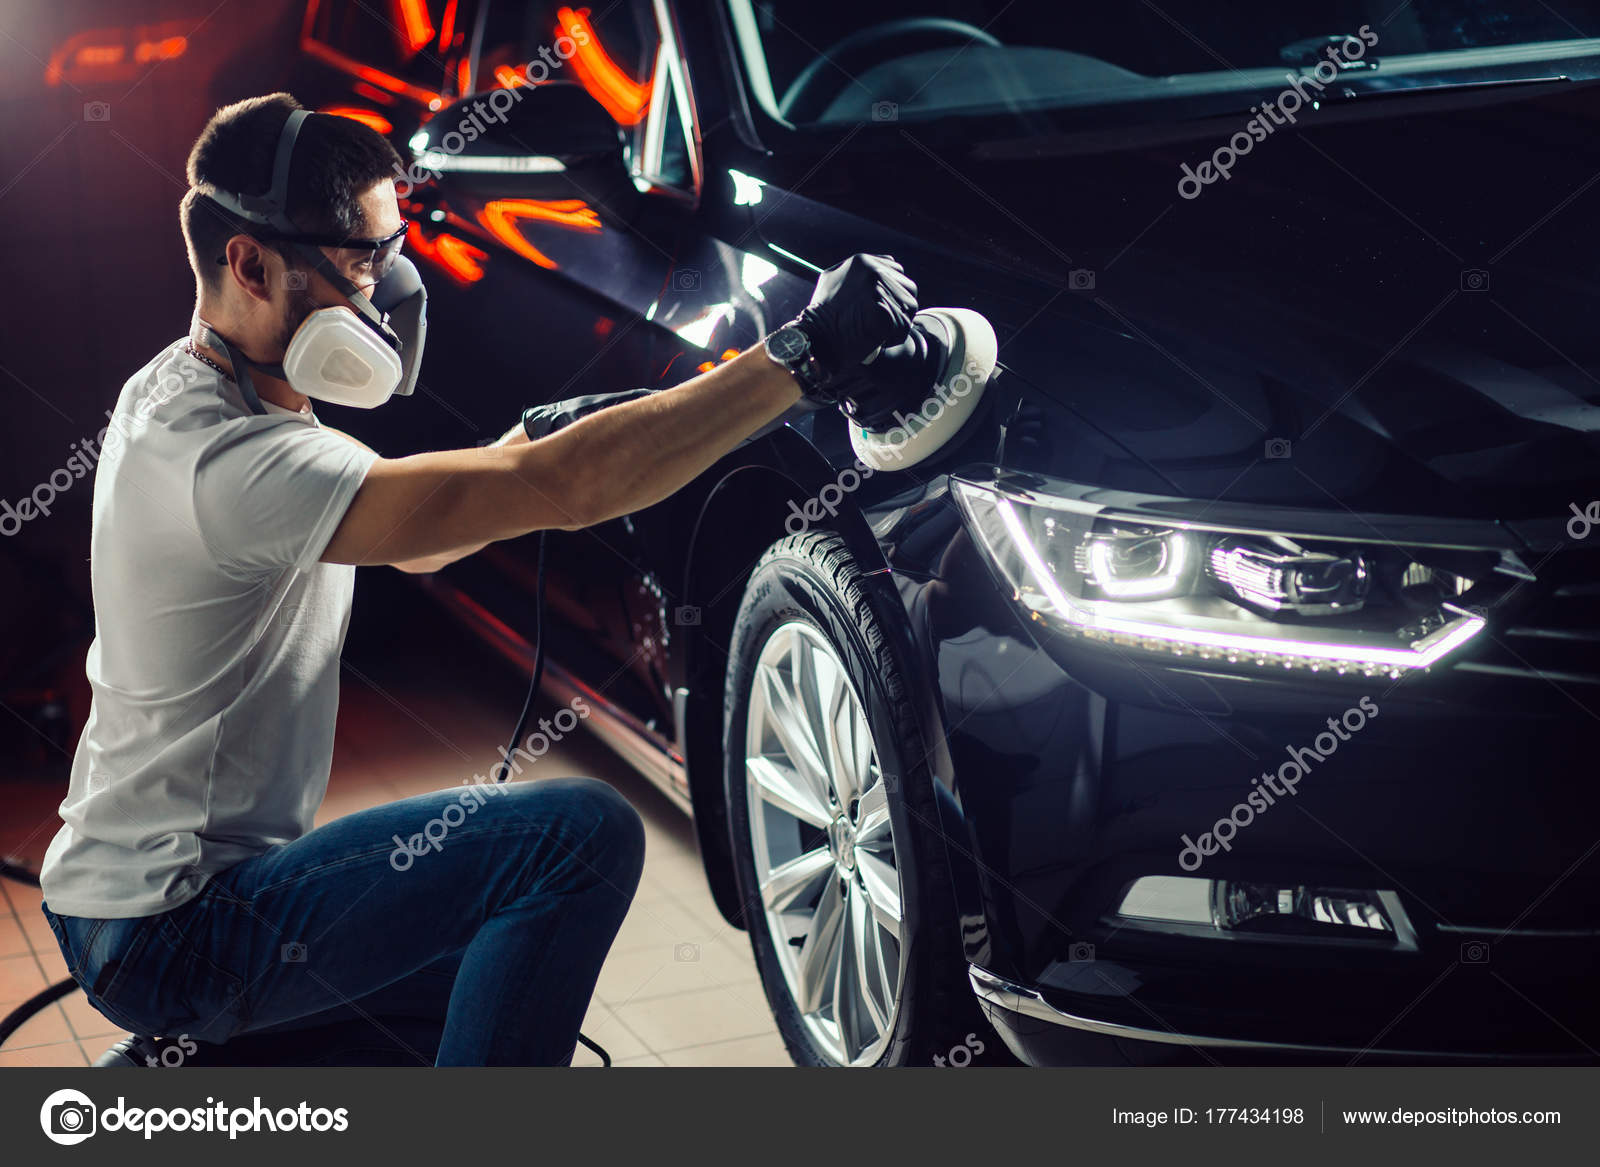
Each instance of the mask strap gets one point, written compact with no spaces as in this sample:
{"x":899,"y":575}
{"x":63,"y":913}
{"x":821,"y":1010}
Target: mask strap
{"x":204,"y":334}
{"x":363,"y":307}
{"x":270,"y":209}
{"x":375,"y":320}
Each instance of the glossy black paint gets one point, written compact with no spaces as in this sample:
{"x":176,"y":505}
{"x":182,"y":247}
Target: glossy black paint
{"x":1321,"y":298}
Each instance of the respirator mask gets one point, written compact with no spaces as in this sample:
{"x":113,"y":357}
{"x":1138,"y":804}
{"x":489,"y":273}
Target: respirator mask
{"x":358,"y":354}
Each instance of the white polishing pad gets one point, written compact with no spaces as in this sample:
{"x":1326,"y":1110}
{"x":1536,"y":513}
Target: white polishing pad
{"x":912,"y":436}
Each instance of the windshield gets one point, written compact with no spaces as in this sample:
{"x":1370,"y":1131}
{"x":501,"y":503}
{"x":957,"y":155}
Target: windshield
{"x":826,"y":62}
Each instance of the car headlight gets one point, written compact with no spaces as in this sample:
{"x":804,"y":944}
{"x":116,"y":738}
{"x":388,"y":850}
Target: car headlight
{"x":1256,"y":591}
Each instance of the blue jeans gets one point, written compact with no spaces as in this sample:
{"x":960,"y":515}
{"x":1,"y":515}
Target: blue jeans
{"x":465,"y":927}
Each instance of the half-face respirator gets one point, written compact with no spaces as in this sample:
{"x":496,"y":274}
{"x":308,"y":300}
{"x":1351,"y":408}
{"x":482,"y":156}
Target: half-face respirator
{"x":359,"y":354}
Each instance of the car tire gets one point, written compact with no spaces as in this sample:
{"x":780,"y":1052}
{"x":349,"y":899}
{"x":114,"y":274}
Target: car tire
{"x":810,"y":639}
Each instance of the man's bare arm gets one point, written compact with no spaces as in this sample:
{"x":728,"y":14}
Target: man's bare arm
{"x":431,"y":563}
{"x":608,"y":464}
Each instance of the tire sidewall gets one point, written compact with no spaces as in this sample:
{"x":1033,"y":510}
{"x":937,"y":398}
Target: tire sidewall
{"x":786,"y":587}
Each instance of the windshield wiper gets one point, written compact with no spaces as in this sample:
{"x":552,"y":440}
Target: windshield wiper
{"x":1447,"y":88}
{"x":1313,"y":50}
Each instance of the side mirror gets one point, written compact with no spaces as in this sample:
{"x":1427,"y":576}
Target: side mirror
{"x":550,"y":141}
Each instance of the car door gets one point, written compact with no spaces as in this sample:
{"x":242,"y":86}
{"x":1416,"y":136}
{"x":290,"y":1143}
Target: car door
{"x":540,"y":300}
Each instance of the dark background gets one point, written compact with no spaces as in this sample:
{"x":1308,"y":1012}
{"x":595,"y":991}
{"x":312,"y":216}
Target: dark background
{"x":96,"y":281}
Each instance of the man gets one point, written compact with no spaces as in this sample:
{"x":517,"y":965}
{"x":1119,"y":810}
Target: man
{"x":187,"y":889}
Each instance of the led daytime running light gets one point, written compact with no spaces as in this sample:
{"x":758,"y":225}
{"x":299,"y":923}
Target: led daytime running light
{"x":1420,"y":655}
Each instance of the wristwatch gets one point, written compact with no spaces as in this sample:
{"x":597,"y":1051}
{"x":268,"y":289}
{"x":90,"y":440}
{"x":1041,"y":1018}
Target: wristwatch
{"x":790,"y":347}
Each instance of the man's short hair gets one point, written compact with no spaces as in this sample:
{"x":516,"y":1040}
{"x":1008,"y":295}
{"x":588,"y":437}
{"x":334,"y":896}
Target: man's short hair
{"x":336,"y":159}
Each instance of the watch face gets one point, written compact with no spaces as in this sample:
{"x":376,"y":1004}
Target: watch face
{"x":788,"y":344}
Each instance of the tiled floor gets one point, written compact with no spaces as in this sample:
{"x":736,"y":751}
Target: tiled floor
{"x":680,"y":986}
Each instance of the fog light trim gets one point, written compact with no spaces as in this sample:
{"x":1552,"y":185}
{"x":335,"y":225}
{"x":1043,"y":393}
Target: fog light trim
{"x":1193,"y":906}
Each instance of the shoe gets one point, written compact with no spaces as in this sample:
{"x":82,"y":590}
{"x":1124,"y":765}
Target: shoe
{"x":130,"y":1053}
{"x":151,"y":1053}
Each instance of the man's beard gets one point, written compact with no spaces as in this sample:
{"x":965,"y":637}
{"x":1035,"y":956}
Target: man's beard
{"x":298,"y":307}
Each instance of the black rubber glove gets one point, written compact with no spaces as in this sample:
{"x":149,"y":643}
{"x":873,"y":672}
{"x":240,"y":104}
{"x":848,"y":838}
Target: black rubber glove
{"x":899,"y":378}
{"x":541,"y":420}
{"x":860,"y":306}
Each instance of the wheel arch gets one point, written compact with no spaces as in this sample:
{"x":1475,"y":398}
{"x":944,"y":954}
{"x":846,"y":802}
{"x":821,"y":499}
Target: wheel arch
{"x":742,"y":516}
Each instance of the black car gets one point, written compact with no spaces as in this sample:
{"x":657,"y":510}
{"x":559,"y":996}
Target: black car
{"x":1227,"y":687}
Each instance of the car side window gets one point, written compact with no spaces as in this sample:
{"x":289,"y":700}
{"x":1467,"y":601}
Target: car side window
{"x":674,"y":169}
{"x":669,"y":152}
{"x":404,"y":46}
{"x":620,"y":54}
{"x":611,"y":53}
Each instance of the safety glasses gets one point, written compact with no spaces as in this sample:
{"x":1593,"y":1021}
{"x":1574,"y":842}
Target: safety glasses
{"x":380,"y":253}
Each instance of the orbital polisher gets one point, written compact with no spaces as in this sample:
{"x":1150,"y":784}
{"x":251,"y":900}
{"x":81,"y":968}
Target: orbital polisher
{"x":913,"y":399}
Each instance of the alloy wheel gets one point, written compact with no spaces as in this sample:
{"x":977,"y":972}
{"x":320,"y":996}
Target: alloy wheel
{"x":823,"y":845}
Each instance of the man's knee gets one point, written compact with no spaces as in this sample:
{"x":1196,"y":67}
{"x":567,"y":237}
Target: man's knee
{"x":611,"y":828}
{"x":619,"y":831}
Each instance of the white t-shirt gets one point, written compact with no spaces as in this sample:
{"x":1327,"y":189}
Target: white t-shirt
{"x":215,"y":662}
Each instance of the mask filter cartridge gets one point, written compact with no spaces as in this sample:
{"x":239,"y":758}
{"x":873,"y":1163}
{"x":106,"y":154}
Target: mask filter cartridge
{"x":334,"y":358}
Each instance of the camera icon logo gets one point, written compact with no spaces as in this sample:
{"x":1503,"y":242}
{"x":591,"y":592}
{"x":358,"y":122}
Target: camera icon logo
{"x":686,"y":279}
{"x":1474,"y":279}
{"x":68,"y":1117}
{"x":1080,"y":279}
{"x":96,"y":111}
{"x":686,"y":953}
{"x":1279,"y":448}
{"x":1475,"y":952}
{"x":885,"y":111}
{"x":293,"y":953}
{"x":1080,"y":952}
{"x":686,"y":616}
{"x":294,"y":281}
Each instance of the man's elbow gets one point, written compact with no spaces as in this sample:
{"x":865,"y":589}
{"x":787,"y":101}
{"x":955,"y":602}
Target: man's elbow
{"x":418,"y":566}
{"x":578,"y":519}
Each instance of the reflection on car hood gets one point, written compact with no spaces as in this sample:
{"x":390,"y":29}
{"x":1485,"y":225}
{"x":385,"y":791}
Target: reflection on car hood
{"x":1388,"y":313}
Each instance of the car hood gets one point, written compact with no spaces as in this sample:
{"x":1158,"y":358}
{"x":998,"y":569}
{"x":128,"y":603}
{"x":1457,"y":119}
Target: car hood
{"x":1390,"y":308}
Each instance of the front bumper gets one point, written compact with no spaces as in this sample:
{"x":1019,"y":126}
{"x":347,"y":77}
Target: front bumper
{"x":1071,"y":769}
{"x":1074,"y":774}
{"x":1042,"y":1033}
{"x":1149,"y":999}
{"x":1477,"y":820}
{"x":1032,"y":1026}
